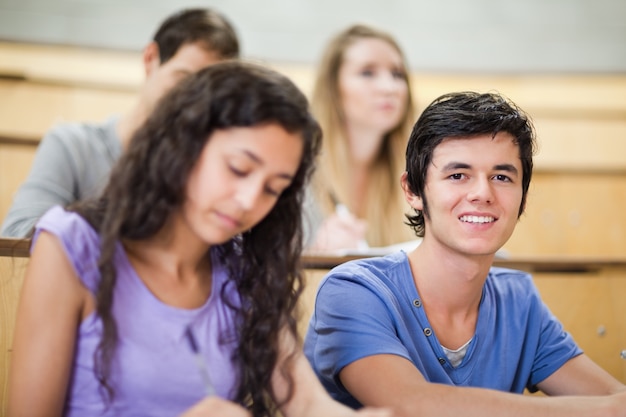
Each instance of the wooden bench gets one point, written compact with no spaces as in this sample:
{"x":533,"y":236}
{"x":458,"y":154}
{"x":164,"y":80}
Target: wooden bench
{"x":577,"y":198}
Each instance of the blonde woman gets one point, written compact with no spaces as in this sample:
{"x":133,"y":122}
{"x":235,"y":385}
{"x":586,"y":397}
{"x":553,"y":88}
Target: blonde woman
{"x":362,"y":99}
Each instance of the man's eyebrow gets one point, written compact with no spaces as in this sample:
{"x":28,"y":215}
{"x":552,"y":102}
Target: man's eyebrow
{"x":506,"y":167}
{"x":259,"y":161}
{"x":451,"y":166}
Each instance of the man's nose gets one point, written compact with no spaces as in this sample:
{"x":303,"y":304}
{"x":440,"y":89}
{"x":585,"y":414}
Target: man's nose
{"x":481,"y":190}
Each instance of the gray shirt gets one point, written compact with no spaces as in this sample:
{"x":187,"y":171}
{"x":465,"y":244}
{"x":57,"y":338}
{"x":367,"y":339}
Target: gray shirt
{"x":312,"y":217}
{"x":73,"y":162}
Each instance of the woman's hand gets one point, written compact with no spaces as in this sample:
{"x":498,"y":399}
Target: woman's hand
{"x":340,"y":231}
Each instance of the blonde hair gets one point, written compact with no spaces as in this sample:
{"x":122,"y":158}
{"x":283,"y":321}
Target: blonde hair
{"x":385,"y":205}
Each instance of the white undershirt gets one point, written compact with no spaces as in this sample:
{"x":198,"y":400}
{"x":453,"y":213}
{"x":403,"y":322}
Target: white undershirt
{"x":455,"y":357}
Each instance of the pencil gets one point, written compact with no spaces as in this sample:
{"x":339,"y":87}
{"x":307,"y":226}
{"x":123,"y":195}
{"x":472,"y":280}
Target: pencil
{"x":202,"y":366}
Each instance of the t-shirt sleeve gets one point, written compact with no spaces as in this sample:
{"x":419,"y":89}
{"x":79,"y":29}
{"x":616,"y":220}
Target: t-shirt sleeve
{"x":79,"y":240}
{"x":354,"y":318}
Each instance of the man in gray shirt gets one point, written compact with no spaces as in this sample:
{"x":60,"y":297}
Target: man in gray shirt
{"x":73,"y":160}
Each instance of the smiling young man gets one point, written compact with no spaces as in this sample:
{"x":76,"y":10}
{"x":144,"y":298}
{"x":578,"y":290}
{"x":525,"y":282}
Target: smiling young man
{"x":439,"y":331}
{"x":74,"y":160}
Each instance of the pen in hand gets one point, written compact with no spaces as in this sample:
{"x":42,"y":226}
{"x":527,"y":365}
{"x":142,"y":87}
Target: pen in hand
{"x":342,"y":211}
{"x":202,"y":366}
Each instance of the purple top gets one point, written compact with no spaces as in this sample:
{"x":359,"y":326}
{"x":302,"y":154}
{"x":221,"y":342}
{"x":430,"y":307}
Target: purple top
{"x":154,"y":372}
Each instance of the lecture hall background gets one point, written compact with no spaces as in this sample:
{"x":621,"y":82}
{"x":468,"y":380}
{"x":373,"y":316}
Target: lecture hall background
{"x":563,"y":61}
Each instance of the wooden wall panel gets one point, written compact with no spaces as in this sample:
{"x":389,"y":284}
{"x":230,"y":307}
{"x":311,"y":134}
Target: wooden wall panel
{"x":582,"y":302}
{"x":573,"y":214}
{"x":15,"y":162}
{"x":29,"y":109}
{"x":11,"y":278}
{"x":578,"y":195}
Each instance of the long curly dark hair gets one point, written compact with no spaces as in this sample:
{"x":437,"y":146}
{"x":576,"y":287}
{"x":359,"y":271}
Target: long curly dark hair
{"x":148,"y":184}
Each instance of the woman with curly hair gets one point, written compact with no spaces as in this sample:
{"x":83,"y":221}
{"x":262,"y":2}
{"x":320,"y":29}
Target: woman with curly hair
{"x":196,"y":238}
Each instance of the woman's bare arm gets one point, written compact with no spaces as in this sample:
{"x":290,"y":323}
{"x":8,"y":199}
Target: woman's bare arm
{"x":51,"y":307}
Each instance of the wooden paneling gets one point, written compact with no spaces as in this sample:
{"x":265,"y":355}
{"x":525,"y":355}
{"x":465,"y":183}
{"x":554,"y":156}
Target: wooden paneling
{"x":573,"y":214}
{"x":28,"y":109}
{"x":581,"y":144}
{"x":307,"y":300}
{"x":56,"y":64}
{"x":617,"y":295}
{"x":584,"y":304}
{"x":15,"y":162}
{"x":599,"y":96}
{"x":577,"y":198}
{"x":11,"y":278}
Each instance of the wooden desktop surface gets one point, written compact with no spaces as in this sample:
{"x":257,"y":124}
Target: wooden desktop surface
{"x":16,"y":248}
{"x":20,"y":248}
{"x":530,"y":263}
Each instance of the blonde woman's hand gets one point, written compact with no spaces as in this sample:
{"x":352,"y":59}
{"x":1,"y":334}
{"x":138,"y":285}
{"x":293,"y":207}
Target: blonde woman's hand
{"x":214,"y":406}
{"x":340,"y":231}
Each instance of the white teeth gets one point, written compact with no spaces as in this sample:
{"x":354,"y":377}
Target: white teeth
{"x":477,"y":219}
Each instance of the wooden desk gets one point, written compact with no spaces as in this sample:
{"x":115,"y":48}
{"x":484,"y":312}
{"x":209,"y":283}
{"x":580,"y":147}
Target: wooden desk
{"x":533,"y":264}
{"x":586,"y":294}
{"x":13,"y":261}
{"x":16,"y":248}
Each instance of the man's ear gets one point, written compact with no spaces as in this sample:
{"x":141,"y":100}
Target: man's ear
{"x":411,"y":198}
{"x":151,"y":58}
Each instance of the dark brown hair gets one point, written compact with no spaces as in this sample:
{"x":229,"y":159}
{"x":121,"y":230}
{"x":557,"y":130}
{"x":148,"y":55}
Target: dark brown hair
{"x":465,"y":114}
{"x":206,"y":26}
{"x":148,"y":185}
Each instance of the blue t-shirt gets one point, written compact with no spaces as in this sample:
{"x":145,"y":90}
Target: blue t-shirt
{"x":371,"y":306}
